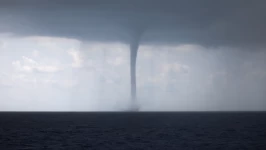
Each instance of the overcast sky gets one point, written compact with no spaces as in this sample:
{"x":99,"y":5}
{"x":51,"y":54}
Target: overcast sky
{"x":75,"y":57}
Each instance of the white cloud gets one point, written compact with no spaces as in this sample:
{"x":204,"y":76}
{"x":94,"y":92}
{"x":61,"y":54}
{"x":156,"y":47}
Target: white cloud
{"x":30,"y":65}
{"x":29,"y":61}
{"x":51,"y":42}
{"x":35,"y":53}
{"x":48,"y":69}
{"x":77,"y":59}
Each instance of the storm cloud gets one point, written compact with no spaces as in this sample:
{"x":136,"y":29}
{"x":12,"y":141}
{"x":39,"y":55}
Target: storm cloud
{"x":205,"y":22}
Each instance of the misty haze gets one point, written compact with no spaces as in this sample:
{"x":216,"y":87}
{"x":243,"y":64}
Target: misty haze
{"x":50,"y":74}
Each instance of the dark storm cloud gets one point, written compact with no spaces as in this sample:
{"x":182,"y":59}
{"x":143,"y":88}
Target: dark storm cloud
{"x":204,"y":22}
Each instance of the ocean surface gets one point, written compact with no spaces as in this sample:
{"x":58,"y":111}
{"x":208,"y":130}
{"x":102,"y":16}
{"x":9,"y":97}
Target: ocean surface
{"x":133,"y":130}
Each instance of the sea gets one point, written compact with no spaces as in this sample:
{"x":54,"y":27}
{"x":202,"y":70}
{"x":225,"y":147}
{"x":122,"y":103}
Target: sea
{"x":133,"y":130}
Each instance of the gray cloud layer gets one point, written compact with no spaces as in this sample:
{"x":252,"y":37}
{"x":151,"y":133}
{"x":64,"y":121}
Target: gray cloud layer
{"x":206,"y":22}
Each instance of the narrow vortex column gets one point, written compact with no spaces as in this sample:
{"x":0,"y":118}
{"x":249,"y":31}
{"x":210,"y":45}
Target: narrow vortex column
{"x":134,"y":45}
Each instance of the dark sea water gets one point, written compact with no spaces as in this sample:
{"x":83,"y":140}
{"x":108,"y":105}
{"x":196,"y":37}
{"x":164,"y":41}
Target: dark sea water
{"x":162,"y":131}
